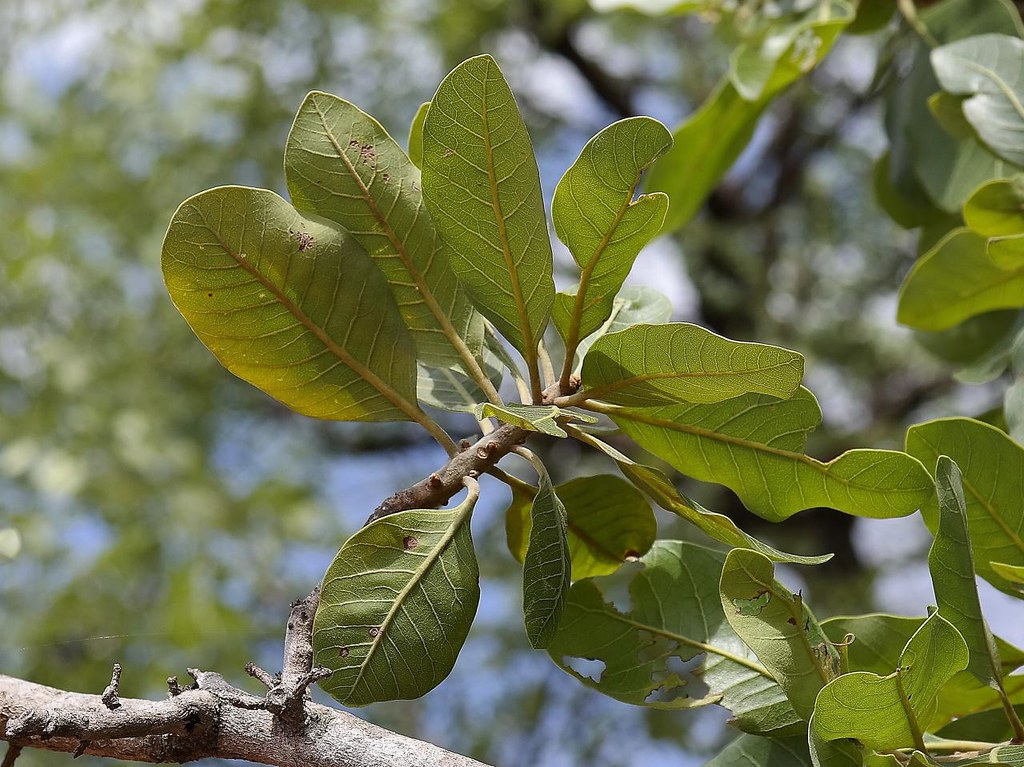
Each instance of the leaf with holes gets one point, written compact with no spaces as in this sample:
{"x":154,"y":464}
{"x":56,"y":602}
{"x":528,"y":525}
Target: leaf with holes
{"x":291,"y":304}
{"x":546,"y":565}
{"x":753,"y":444}
{"x":482,"y":187}
{"x":989,"y":70}
{"x":595,"y":215}
{"x":609,"y":522}
{"x":993,"y":483}
{"x":341,"y":164}
{"x":674,"y":649}
{"x":778,"y":627}
{"x":396,"y":605}
{"x":891,"y":712}
{"x":649,"y":365}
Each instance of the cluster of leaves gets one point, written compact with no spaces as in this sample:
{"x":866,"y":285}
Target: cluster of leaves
{"x":396,"y":281}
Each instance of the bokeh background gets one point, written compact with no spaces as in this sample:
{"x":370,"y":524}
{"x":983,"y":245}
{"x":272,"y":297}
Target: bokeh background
{"x":157,"y":512}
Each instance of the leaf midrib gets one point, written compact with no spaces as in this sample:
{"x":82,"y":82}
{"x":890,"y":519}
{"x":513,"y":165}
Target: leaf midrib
{"x":622,"y":383}
{"x":424,"y":290}
{"x":530,"y":346}
{"x":819,"y":466}
{"x":396,"y":399}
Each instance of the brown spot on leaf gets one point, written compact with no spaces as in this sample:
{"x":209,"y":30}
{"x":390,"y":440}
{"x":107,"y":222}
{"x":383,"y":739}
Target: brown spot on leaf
{"x":791,"y":621}
{"x":374,"y":631}
{"x":410,"y":542}
{"x":385,"y":177}
{"x":447,"y":152}
{"x":210,"y":295}
{"x":368,"y":153}
{"x":305,"y":239}
{"x":343,"y":652}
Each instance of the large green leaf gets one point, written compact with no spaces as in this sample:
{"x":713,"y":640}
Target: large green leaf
{"x":595,"y":215}
{"x":993,"y":482}
{"x":708,"y":143}
{"x":892,"y":711}
{"x":482,"y":187}
{"x":396,"y":605}
{"x":635,"y":304}
{"x":660,"y":364}
{"x":778,"y":627}
{"x":546,"y":566}
{"x":989,"y":69}
{"x":291,"y":304}
{"x":342,"y":165}
{"x":753,"y":444}
{"x":757,"y":751}
{"x":609,"y":522}
{"x":951,"y":563}
{"x":676,"y":613}
{"x":956,"y":280}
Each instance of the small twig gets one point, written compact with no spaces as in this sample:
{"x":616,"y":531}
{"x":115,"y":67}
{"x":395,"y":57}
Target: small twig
{"x":110,"y":696}
{"x":11,"y":756}
{"x":268,"y":679}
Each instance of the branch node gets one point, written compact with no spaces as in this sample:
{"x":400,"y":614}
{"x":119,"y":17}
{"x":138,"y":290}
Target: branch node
{"x":434,"y":480}
{"x":110,"y":697}
{"x":464,"y":445}
{"x":173,"y":688}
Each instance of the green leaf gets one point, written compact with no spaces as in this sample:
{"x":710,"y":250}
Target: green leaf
{"x":956,"y":280}
{"x":996,"y":209}
{"x":717,"y":526}
{"x":778,"y":627}
{"x":341,"y":164}
{"x":949,"y":114}
{"x":540,"y":418}
{"x":901,"y":195}
{"x":753,"y":444}
{"x":989,"y":69}
{"x":396,"y":605}
{"x":609,"y":523}
{"x":797,"y":38}
{"x":1006,"y":252}
{"x":416,"y":135}
{"x":758,"y":751}
{"x":546,"y":566}
{"x":291,"y":304}
{"x":634,"y":305}
{"x":676,"y":614}
{"x":1007,"y":756}
{"x":708,"y":143}
{"x":833,"y":753}
{"x":892,"y":711}
{"x":951,"y":563}
{"x":660,"y":364}
{"x":482,"y":187}
{"x":595,"y":215}
{"x":993,"y":482}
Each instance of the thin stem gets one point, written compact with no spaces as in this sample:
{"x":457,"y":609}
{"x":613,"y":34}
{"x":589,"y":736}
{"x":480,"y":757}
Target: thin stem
{"x":571,"y":399}
{"x":439,"y":434}
{"x":915,"y":727}
{"x":1011,"y":715}
{"x":546,"y":368}
{"x":512,"y":481}
{"x":960,"y":745}
{"x":13,"y":752}
{"x":909,"y":12}
{"x":536,"y":385}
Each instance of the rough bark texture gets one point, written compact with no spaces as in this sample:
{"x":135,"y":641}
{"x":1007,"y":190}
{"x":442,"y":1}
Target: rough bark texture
{"x":202,"y":723}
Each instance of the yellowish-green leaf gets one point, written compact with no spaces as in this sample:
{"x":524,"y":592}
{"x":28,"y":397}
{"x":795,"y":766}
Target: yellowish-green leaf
{"x":753,"y":444}
{"x":955,"y":280}
{"x":416,"y":135}
{"x":660,"y":364}
{"x":291,"y":304}
{"x":342,"y":165}
{"x":609,"y":523}
{"x":396,"y":605}
{"x":595,"y":215}
{"x":635,"y":304}
{"x":482,"y":187}
{"x":540,"y":418}
{"x":996,"y":208}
